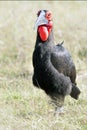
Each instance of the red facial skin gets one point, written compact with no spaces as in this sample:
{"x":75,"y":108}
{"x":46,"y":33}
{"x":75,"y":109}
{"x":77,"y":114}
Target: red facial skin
{"x":44,"y":30}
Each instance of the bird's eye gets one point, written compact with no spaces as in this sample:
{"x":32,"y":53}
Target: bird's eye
{"x":48,"y":15}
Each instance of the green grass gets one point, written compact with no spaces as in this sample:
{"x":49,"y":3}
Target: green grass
{"x":22,"y":106}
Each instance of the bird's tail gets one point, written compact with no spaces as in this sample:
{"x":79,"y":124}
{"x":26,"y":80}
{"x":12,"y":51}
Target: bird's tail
{"x":75,"y":92}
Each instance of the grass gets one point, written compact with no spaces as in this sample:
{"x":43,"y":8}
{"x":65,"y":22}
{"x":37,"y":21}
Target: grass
{"x":22,"y":106}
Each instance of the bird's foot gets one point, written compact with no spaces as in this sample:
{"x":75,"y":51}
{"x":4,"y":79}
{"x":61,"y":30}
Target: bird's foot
{"x":59,"y":111}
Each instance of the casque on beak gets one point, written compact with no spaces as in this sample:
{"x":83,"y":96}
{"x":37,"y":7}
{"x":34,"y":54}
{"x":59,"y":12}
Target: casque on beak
{"x":41,"y":20}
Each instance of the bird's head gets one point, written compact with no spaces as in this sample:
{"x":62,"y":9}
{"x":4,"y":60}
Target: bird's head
{"x":44,"y":24}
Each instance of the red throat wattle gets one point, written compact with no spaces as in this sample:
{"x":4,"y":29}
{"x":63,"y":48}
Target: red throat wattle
{"x":44,"y":30}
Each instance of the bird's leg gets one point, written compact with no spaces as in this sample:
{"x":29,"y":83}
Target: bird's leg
{"x":57,"y":101}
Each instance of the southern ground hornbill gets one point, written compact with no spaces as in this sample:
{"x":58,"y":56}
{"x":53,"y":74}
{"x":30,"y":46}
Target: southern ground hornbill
{"x":54,"y":70}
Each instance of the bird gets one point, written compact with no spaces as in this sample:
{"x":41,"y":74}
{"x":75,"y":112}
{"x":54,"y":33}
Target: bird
{"x":53,"y":68}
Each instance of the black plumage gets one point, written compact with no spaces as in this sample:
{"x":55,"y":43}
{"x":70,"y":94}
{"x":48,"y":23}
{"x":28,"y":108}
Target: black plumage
{"x":54,"y":70}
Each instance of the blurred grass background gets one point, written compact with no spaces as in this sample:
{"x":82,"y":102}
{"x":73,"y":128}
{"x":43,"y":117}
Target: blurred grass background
{"x":21,"y":105}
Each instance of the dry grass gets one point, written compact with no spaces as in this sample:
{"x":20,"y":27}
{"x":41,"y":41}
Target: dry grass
{"x":22,"y":106}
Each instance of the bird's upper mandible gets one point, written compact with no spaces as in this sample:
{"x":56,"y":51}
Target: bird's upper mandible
{"x":43,"y":18}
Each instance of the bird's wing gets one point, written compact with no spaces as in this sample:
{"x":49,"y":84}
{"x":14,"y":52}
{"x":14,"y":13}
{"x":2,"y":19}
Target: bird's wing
{"x":62,"y":61}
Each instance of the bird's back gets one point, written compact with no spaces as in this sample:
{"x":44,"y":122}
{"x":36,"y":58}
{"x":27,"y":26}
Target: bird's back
{"x":63,"y":62}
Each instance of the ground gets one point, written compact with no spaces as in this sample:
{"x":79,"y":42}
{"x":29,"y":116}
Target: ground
{"x":22,"y":106}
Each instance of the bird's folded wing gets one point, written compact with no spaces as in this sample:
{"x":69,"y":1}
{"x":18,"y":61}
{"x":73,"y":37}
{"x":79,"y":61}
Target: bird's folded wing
{"x":61,"y":83}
